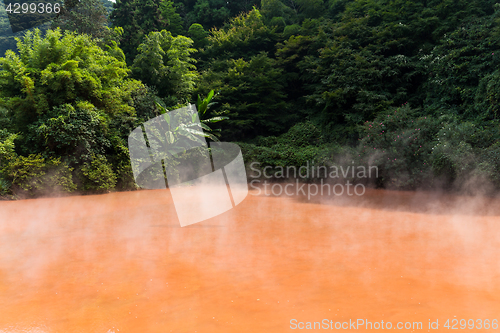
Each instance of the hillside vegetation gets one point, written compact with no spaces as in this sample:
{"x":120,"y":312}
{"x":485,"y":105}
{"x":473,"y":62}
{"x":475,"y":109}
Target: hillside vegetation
{"x":412,"y":87}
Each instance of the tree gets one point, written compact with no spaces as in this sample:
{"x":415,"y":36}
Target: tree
{"x":198,"y":35}
{"x":165,"y":62}
{"x":243,"y":36}
{"x":70,"y":99}
{"x":311,"y":8}
{"x":173,"y":20}
{"x":212,"y":13}
{"x":463,"y":70}
{"x":371,"y":58}
{"x":209,"y":13}
{"x":8,"y":32}
{"x":24,"y":16}
{"x":137,"y":18}
{"x":251,"y":95}
{"x":84,"y":17}
{"x":276,"y":12}
{"x":241,"y":6}
{"x":108,"y":5}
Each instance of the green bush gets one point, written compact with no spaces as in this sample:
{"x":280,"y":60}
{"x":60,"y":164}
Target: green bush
{"x":4,"y":188}
{"x":266,"y":141}
{"x":302,"y":145}
{"x":98,"y":175}
{"x":33,"y":175}
{"x":453,"y":156}
{"x":490,"y":165}
{"x":59,"y":177}
{"x":7,"y":154}
{"x":121,"y":163}
{"x":26,"y":172}
{"x":302,"y":135}
{"x":290,"y":30}
{"x":7,"y":148}
{"x":399,"y":143}
{"x":412,"y":151}
{"x":465,"y":152}
{"x":74,"y":132}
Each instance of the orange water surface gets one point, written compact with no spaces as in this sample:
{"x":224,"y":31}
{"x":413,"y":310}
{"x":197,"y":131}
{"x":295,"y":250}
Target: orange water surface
{"x":120,"y":262}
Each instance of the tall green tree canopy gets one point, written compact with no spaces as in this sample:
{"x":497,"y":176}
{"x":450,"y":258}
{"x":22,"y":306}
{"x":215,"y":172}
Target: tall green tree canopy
{"x":464,"y":70}
{"x":84,"y":17}
{"x":251,"y":94}
{"x":165,"y":62}
{"x":198,"y":35}
{"x":173,"y":21}
{"x":212,"y":13}
{"x":209,"y":13}
{"x":137,"y":18}
{"x":69,"y":98}
{"x":244,"y":36}
{"x":367,"y":56}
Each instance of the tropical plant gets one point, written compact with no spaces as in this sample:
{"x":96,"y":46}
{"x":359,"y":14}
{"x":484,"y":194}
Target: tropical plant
{"x":181,"y":126}
{"x":202,"y":105}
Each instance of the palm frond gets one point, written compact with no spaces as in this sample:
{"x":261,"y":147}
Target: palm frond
{"x":214,"y":119}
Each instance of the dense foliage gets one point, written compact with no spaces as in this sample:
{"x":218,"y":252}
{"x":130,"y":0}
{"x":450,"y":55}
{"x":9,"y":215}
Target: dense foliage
{"x":159,"y":53}
{"x":409,"y":86}
{"x":89,"y":16}
{"x":85,"y":17}
{"x":69,"y":101}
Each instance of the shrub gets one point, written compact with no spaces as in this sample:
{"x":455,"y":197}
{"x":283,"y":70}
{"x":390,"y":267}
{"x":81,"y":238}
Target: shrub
{"x":34,"y":176}
{"x":123,"y":169}
{"x":266,"y":141}
{"x":491,"y":163}
{"x":26,"y":172}
{"x":98,"y":175}
{"x":302,"y":135}
{"x":399,"y":143}
{"x":453,"y":156}
{"x":302,"y":145}
{"x":76,"y":133}
{"x":59,"y":177}
{"x":4,"y":187}
{"x":290,"y":30}
{"x":7,"y":146}
{"x":7,"y":154}
{"x":466,"y":153}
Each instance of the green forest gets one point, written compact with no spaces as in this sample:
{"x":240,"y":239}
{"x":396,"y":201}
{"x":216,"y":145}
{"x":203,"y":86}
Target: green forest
{"x":412,"y":87}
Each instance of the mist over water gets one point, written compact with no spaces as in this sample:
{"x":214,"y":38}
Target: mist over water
{"x":121,"y":262}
